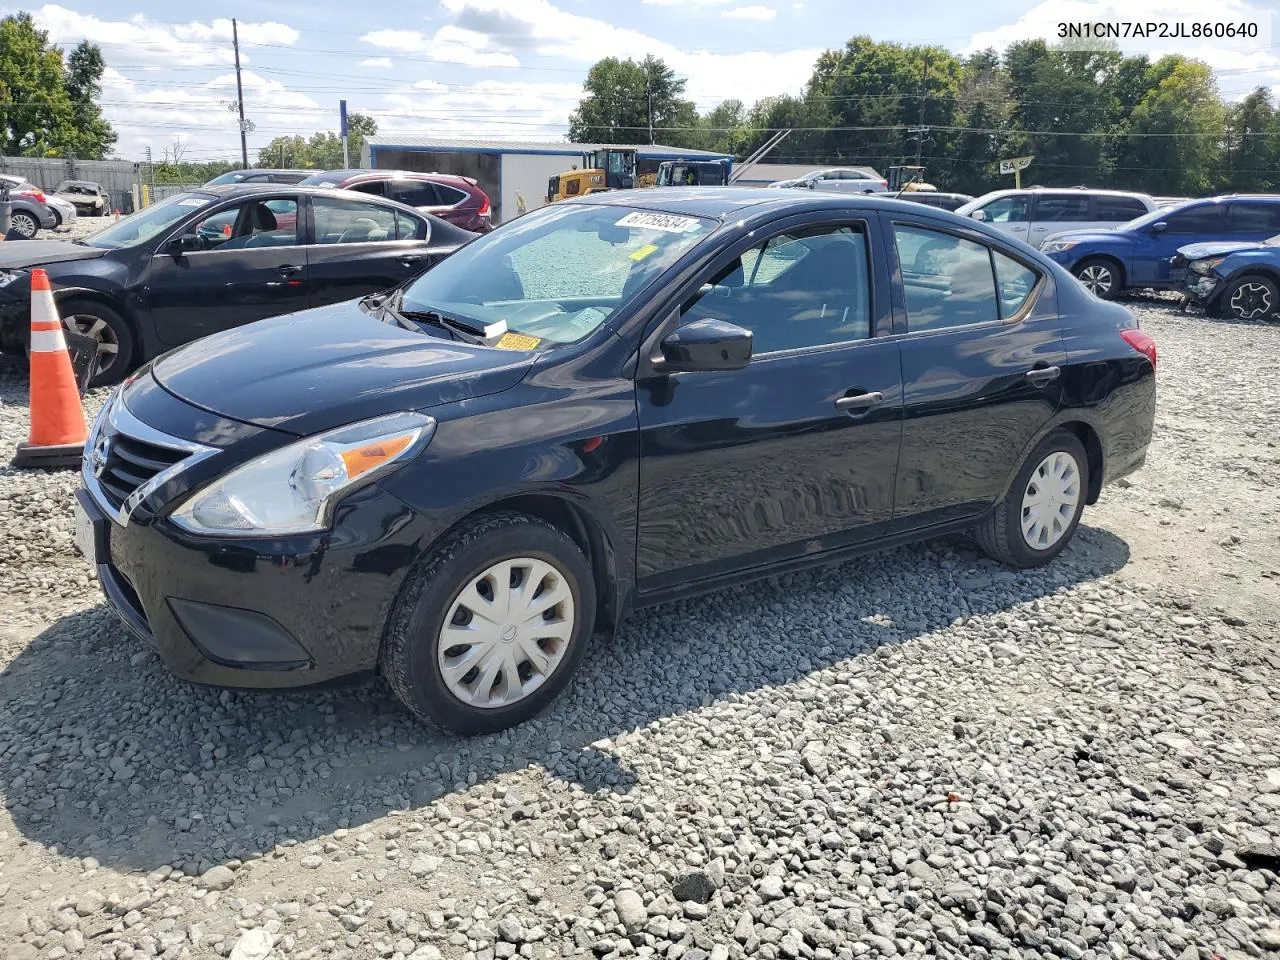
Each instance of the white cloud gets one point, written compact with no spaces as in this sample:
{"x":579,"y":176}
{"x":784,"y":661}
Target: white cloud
{"x":195,"y":43}
{"x":449,"y":44}
{"x":1241,"y":63}
{"x":685,"y":3}
{"x":516,"y":110}
{"x":753,"y":12}
{"x":382,"y":63}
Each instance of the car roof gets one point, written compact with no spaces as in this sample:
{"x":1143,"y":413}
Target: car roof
{"x":1085,"y":190}
{"x":723,"y":202}
{"x":367,"y":174}
{"x":230,"y":191}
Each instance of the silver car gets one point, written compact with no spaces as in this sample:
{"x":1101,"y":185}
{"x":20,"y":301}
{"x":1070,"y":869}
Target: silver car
{"x":840,"y":180}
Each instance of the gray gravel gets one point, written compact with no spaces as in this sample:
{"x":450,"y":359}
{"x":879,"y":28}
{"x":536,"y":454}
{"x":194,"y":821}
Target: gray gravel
{"x":919,"y":753}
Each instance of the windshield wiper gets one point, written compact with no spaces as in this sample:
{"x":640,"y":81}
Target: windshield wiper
{"x":467,"y":330}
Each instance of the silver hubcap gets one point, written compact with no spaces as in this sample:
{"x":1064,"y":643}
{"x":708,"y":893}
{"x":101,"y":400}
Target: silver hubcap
{"x":506,"y":633}
{"x":23,"y":224}
{"x":1050,"y":501}
{"x":1251,"y":300}
{"x":100,"y":331}
{"x":1097,"y":278}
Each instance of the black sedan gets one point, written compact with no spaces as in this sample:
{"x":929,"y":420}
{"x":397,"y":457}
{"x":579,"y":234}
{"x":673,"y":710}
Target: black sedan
{"x":607,"y":403}
{"x":216,"y":258}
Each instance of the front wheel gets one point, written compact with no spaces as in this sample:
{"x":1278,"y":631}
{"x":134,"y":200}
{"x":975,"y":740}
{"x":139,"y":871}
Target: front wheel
{"x":492,"y":626}
{"x":1251,"y":297}
{"x":1100,"y":277}
{"x":109,"y":330}
{"x":1039,"y":515}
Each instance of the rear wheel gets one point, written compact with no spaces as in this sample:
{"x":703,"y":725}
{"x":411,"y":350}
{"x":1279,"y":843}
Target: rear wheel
{"x":1038,"y":517}
{"x":24,"y":223}
{"x":1251,"y":297}
{"x":492,"y":626}
{"x":1100,"y":277}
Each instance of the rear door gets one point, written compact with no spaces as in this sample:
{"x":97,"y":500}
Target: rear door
{"x":1252,"y":220}
{"x":248,"y":265}
{"x":982,"y":361}
{"x":1056,"y":212}
{"x":422,"y":194}
{"x":1110,"y":210}
{"x":361,"y":247}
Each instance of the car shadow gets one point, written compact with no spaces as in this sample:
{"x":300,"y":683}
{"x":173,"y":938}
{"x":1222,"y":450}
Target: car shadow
{"x":104,"y":754}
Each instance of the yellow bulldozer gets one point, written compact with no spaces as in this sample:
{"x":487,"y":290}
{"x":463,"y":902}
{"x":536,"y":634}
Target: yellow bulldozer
{"x":609,"y":168}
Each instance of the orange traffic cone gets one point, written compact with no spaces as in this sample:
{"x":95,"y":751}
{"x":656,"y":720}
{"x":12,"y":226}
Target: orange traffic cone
{"x":58,"y":429}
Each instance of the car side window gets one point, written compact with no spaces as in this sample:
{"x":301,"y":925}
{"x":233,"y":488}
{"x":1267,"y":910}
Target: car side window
{"x":1202,"y":219}
{"x":448,"y":196}
{"x":801,"y":289}
{"x":374,"y":188}
{"x":948,"y":281}
{"x":1252,"y":218}
{"x":1119,"y":209}
{"x":1014,"y":283}
{"x":1007,"y":210}
{"x":414,"y":193}
{"x":254,"y":223}
{"x":1062,"y":208}
{"x":410,"y":227}
{"x":346,"y":221}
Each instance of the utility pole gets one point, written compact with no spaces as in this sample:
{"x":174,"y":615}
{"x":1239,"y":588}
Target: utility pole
{"x":244,"y":144}
{"x":919,"y":130}
{"x":648,"y":86}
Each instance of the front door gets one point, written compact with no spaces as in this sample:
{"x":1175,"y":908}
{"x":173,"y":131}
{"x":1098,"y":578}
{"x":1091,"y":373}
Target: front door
{"x":362,"y":247}
{"x":982,"y":366}
{"x":1155,"y":249}
{"x":1058,"y":212}
{"x":243,"y":262}
{"x":1010,"y":214}
{"x":793,"y":454}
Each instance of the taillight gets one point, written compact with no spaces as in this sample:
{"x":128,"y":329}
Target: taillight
{"x":1144,"y":343}
{"x":38,"y":194}
{"x":484,"y":206}
{"x":885,"y":184}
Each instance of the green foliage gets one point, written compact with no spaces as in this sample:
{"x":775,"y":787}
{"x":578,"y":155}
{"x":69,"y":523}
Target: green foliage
{"x":323,"y":151}
{"x":1093,"y":117}
{"x":48,"y":107}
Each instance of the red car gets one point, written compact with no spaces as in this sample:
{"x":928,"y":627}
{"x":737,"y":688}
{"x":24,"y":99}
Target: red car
{"x":459,"y":200}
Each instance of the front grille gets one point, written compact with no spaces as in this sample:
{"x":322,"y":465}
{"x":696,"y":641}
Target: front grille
{"x":131,"y":463}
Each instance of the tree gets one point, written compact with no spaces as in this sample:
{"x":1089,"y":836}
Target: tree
{"x":36,"y":111}
{"x":323,"y":151}
{"x":90,"y":137}
{"x":1253,"y":144}
{"x":623,"y":98}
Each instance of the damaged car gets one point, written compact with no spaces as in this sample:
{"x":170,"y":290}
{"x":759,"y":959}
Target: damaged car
{"x":1237,"y":280}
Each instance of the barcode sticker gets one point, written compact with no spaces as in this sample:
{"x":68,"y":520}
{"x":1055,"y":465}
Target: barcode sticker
{"x":666,"y":222}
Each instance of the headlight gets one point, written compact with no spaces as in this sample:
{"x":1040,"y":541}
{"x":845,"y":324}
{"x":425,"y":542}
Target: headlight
{"x":291,"y":490}
{"x":1057,"y":246}
{"x":8,"y":276}
{"x":1204,"y":266}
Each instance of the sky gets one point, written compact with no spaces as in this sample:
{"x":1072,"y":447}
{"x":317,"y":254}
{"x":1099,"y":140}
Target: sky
{"x":513,"y":69}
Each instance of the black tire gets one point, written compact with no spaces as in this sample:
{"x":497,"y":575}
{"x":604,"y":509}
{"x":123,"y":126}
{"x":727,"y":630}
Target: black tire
{"x":1000,"y":533}
{"x":409,"y":658}
{"x":1101,"y":276}
{"x":1251,"y":297}
{"x":81,"y":316}
{"x":57,"y":219}
{"x":24,"y":223}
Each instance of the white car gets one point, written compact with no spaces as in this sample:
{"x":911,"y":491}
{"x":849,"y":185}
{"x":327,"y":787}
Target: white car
{"x":842,"y":180}
{"x":63,"y":210}
{"x":1034,"y":214}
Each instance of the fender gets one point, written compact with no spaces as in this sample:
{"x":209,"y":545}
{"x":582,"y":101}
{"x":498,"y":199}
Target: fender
{"x":1070,"y":415}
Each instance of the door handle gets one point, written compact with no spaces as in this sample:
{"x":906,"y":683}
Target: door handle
{"x":409,"y":259}
{"x":859,"y":401}
{"x":288,"y":270}
{"x":1039,"y":229}
{"x":1042,"y":375}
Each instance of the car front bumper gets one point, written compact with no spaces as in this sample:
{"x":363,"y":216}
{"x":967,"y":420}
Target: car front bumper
{"x":1199,"y":288}
{"x":253,"y":612}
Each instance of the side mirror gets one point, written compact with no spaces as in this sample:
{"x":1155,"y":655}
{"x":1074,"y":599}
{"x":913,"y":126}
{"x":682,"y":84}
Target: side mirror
{"x":979,"y":215}
{"x":187,"y":243}
{"x":1159,"y":227}
{"x":706,"y":344}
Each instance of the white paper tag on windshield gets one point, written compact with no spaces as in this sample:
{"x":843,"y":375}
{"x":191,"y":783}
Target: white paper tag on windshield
{"x":193,"y":202}
{"x":666,"y":222}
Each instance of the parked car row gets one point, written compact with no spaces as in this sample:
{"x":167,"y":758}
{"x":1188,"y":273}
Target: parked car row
{"x":617,"y":400}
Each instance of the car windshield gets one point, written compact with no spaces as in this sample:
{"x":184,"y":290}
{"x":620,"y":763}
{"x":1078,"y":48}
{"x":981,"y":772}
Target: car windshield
{"x":1155,"y":216}
{"x":145,"y":224}
{"x":234,"y":176}
{"x":558,"y":273}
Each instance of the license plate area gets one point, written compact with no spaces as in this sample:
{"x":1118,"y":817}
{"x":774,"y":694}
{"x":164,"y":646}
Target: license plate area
{"x":90,"y":531}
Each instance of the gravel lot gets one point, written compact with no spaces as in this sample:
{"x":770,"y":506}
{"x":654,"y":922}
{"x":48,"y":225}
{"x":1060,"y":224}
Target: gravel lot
{"x":917,"y":754}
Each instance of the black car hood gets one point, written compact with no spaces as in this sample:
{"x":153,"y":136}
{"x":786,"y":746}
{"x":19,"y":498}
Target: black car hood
{"x":18,"y":254}
{"x":323,"y":368}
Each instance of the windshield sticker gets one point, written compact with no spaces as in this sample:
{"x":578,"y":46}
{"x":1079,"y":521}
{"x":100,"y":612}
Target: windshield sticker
{"x":193,"y":202}
{"x":666,"y":222}
{"x":646,"y":250}
{"x":517,"y":341}
{"x":329,"y":183}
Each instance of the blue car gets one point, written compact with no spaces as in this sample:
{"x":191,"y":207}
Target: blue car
{"x":1240,"y":280}
{"x":1140,"y":253}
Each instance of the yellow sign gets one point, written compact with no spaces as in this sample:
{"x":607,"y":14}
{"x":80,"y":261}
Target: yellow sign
{"x":517,"y":341}
{"x":646,"y":250}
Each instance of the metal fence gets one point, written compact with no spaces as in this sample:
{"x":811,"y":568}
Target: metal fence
{"x":119,"y":178}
